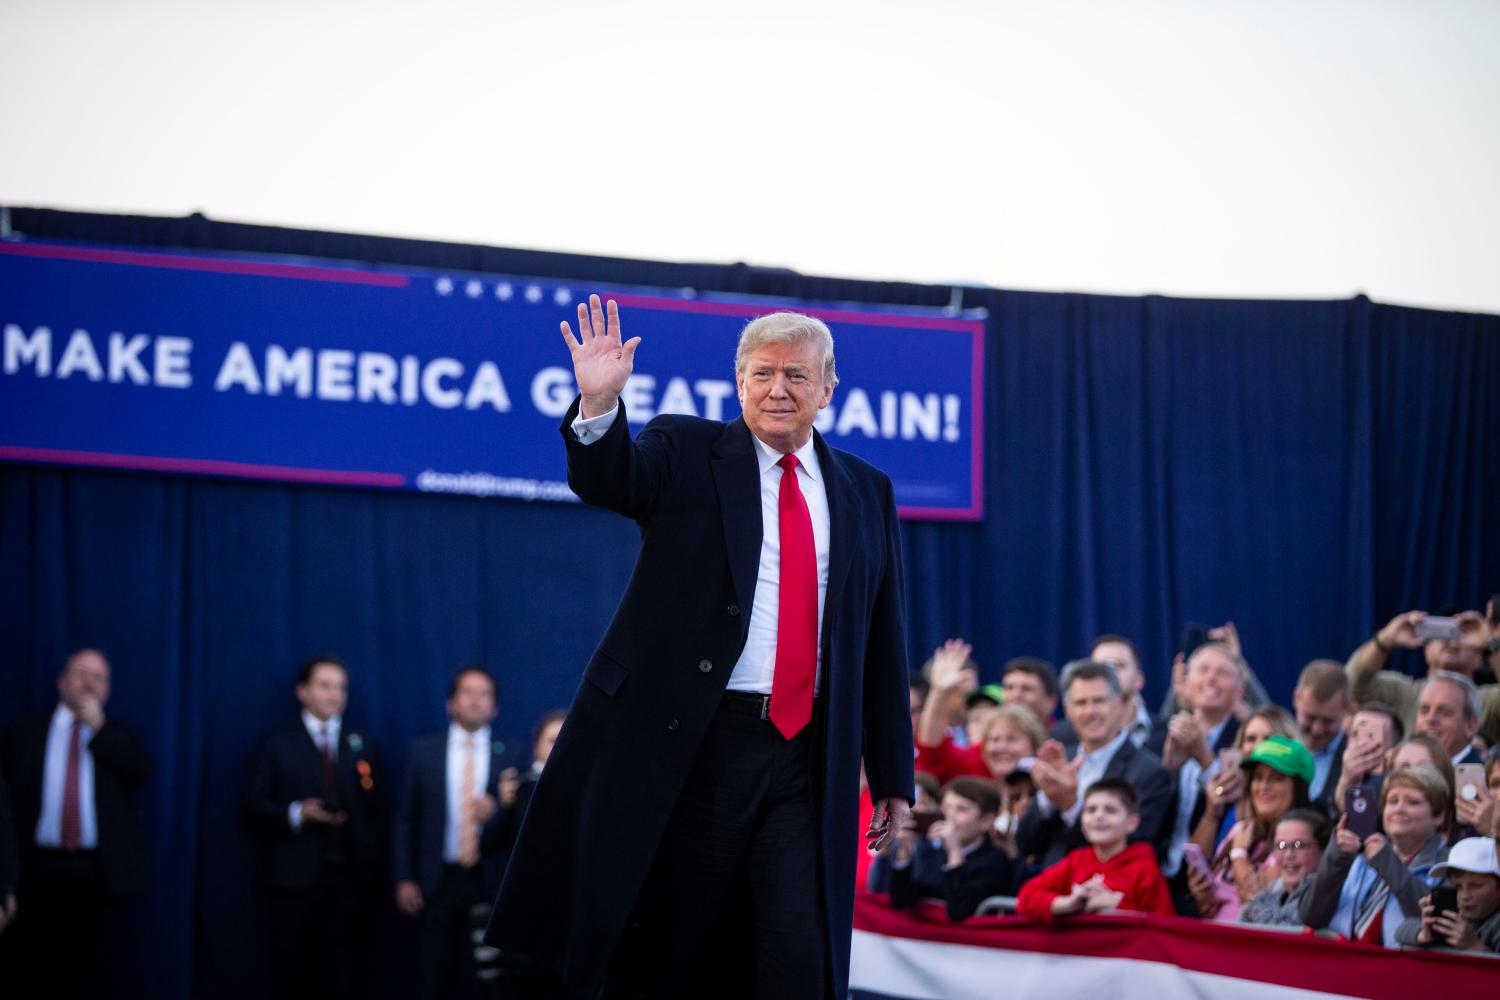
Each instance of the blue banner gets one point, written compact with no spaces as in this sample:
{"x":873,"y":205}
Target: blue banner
{"x":285,"y":369}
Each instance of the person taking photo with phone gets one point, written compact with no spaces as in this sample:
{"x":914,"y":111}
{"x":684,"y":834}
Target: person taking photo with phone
{"x":1368,"y":881}
{"x":1464,"y":913}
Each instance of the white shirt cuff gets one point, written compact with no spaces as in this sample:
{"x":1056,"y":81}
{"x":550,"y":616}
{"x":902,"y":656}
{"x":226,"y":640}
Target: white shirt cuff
{"x":590,"y":429}
{"x":294,"y":816}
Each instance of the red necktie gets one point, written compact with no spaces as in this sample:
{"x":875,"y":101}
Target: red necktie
{"x":72,"y":820}
{"x":797,"y":611}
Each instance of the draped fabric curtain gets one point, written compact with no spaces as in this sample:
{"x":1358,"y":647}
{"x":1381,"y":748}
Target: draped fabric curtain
{"x":1306,"y":469}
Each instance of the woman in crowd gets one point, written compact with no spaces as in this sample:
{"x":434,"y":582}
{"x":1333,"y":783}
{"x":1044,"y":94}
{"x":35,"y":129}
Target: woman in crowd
{"x":1364,"y":889}
{"x":1244,"y":862}
{"x":1301,"y":837}
{"x":1224,"y":789}
{"x":1010,"y":734}
{"x":1479,"y":812}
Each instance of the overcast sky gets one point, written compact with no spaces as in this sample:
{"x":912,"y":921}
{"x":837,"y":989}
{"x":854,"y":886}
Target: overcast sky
{"x":1278,"y":148}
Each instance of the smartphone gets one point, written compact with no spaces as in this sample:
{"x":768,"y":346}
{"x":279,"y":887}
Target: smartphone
{"x":1360,"y":815}
{"x":1468,"y":779}
{"x":1445,"y":899}
{"x":922,"y":820}
{"x":1192,"y":856}
{"x":1229,"y":759}
{"x":1194,"y":634}
{"x":1437,"y":628}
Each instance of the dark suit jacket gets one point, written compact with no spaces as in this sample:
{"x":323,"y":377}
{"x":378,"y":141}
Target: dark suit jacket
{"x":121,"y":765}
{"x":1324,"y":801}
{"x":652,"y":688}
{"x":1228,"y":736}
{"x":1049,"y":838}
{"x":422,"y":814}
{"x":10,"y":861}
{"x":987,"y":872}
{"x":287,"y":768}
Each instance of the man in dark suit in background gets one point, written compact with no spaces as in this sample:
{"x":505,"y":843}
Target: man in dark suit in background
{"x":1050,"y":827}
{"x":442,"y":838}
{"x":73,"y":774}
{"x":709,"y":765}
{"x":312,"y":792}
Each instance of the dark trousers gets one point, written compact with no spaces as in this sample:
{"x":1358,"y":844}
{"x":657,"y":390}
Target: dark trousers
{"x":733,"y":903}
{"x":314,"y":937}
{"x":447,"y":934}
{"x":62,"y":913}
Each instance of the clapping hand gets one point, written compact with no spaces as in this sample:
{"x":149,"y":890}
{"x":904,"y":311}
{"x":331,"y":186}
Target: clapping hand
{"x":1057,"y":776}
{"x":1185,"y":739}
{"x":601,"y":363}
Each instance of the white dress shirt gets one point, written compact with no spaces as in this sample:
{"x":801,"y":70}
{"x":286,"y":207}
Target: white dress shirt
{"x":1190,"y":778}
{"x":459,"y":739}
{"x":315,"y":730}
{"x":55,"y":776}
{"x":756,"y":666}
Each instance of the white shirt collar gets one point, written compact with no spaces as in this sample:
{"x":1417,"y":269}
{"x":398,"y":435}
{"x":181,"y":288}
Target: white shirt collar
{"x":458,"y":734}
{"x":315,"y":727}
{"x":63,"y":717}
{"x":807,"y":457}
{"x":1107,"y":751}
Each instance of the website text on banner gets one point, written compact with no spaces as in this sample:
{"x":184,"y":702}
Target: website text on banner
{"x":919,"y":955}
{"x":277,"y":368}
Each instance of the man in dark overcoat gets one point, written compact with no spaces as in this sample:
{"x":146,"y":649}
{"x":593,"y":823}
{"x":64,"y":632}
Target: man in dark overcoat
{"x":695,"y":829}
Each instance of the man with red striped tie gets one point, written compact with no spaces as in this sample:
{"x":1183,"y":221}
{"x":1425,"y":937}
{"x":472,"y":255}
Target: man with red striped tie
{"x":73,"y":774}
{"x":694,"y":831}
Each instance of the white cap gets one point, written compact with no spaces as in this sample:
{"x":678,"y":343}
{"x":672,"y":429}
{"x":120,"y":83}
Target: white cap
{"x":1472,"y":854}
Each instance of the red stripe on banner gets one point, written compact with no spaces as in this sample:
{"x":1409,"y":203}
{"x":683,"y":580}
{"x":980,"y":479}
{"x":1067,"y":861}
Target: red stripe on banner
{"x":1282,"y":959}
{"x":202,"y":466}
{"x":217,"y":265}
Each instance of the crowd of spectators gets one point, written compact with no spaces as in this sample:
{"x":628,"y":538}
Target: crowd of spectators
{"x":338,"y":852}
{"x":1365,"y":809}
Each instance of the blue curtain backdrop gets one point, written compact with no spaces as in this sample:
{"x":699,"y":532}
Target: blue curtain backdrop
{"x":1306,"y":469}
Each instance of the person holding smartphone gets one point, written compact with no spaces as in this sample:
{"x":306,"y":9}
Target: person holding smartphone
{"x":1368,"y":882}
{"x":971,"y":868}
{"x":1464,"y":913}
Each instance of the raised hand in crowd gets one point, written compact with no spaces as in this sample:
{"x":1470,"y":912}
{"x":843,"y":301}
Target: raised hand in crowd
{"x":1249,"y":880}
{"x":1055,"y":775}
{"x":1477,"y":812}
{"x":1186,"y":740}
{"x":1447,"y":927}
{"x":1180,"y":693}
{"x":952,"y":679}
{"x":1401,"y":631}
{"x":601,"y":362}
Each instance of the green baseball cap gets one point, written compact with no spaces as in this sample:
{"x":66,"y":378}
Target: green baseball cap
{"x":990,"y":692}
{"x":1285,"y":755}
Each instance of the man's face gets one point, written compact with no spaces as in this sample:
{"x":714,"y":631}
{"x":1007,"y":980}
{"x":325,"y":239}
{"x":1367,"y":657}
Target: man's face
{"x":1318,"y":720}
{"x":1094,"y":711}
{"x":1022,"y":688}
{"x":85,"y":677}
{"x":473,"y":703}
{"x":1104,"y":820}
{"x":326,"y":691}
{"x":1444,"y":654}
{"x":781,"y":390}
{"x":1213,"y":681}
{"x":1440,"y":714}
{"x":1478,"y":895}
{"x":964,"y":816}
{"x":1119,"y":656}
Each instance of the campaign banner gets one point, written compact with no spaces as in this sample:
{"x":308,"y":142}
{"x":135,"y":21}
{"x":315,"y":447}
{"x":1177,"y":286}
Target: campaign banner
{"x":921,"y":955}
{"x":302,"y":371}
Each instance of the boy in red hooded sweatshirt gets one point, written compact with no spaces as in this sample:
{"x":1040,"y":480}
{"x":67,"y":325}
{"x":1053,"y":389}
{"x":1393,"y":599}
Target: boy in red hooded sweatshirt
{"x":1108,"y":874}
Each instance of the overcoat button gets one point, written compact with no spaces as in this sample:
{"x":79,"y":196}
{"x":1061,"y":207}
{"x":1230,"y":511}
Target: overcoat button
{"x":734,"y":610}
{"x":704,"y":666}
{"x":673,"y":726}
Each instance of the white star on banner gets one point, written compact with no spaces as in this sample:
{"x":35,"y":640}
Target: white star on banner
{"x":533,"y":294}
{"x":504,"y":291}
{"x":473,"y":288}
{"x":562,"y":296}
{"x":444,"y":285}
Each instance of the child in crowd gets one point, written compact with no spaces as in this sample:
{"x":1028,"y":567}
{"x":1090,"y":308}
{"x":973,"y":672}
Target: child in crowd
{"x":1473,"y":871}
{"x":957,"y":861}
{"x":1108,"y":874}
